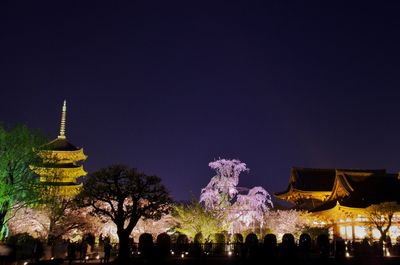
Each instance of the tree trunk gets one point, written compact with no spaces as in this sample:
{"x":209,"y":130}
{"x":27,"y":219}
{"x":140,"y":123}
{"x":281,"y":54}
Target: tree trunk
{"x":3,"y":214}
{"x":123,"y":251}
{"x":51,"y":236}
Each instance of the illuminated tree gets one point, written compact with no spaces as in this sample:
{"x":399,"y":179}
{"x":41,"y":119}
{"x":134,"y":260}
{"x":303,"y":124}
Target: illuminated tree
{"x":151,"y":226}
{"x":65,"y":218}
{"x":124,"y":196}
{"x":288,"y":221}
{"x":193,"y":219}
{"x":31,"y":221}
{"x":250,"y":209}
{"x":381,"y":216}
{"x":221,"y":197}
{"x":73,"y":225}
{"x":154,"y":227}
{"x":222,"y":188}
{"x":17,"y":182}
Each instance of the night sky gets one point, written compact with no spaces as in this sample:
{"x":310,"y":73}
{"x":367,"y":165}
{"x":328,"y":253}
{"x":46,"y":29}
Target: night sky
{"x":167,"y":86}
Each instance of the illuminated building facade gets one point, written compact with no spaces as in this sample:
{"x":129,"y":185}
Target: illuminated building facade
{"x":341,"y":197}
{"x":61,"y":163}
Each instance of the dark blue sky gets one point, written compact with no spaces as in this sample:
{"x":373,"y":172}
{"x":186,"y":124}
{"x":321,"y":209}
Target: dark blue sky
{"x":169,"y":86}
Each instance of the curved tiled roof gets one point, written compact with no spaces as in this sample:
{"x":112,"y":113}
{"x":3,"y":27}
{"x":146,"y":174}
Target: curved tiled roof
{"x":365,"y":190}
{"x":60,"y":144}
{"x":310,"y":179}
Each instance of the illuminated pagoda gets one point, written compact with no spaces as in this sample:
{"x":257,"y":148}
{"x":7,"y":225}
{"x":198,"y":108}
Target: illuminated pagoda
{"x":340,"y":197}
{"x":61,"y":163}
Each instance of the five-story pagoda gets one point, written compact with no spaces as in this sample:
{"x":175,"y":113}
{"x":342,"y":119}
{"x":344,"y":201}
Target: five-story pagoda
{"x":61,"y":163}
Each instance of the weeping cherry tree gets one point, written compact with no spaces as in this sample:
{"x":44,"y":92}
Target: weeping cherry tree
{"x":221,"y":196}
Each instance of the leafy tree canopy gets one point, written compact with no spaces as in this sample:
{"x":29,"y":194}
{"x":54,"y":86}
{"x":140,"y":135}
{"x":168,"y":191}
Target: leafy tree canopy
{"x":193,"y":219}
{"x":124,"y":195}
{"x":17,"y":182}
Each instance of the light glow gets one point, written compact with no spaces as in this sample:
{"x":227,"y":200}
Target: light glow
{"x":394,"y":231}
{"x":375,"y":233}
{"x":360,"y":232}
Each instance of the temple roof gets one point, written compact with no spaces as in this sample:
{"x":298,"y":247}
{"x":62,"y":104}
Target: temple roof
{"x":320,"y":190}
{"x":60,"y":144}
{"x":364,"y":190}
{"x":310,"y":179}
{"x":320,"y":179}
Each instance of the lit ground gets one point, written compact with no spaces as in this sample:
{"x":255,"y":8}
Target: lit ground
{"x":232,"y":261}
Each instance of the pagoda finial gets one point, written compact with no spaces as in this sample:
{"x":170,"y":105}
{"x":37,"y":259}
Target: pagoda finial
{"x":63,"y":120}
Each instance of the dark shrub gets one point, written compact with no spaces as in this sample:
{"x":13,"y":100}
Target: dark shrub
{"x":237,"y":238}
{"x":270,"y":240}
{"x":198,"y":238}
{"x":323,"y":245}
{"x":305,"y":243}
{"x":288,"y":247}
{"x":163,"y":245}
{"x":182,"y":244}
{"x":219,"y":243}
{"x":270,"y":246}
{"x":182,"y":239}
{"x":340,"y":248}
{"x":146,"y":244}
{"x":251,"y":239}
{"x":251,"y":244}
{"x":25,"y":246}
{"x":237,"y":244}
{"x":197,"y":249}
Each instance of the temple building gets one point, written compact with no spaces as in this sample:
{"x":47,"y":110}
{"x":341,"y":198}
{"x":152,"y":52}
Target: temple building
{"x":61,"y":163}
{"x":342,"y":198}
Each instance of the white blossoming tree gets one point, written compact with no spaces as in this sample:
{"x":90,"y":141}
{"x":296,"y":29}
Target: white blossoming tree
{"x":222,"y":188}
{"x":221,"y":196}
{"x":249,"y":210}
{"x":288,"y":221}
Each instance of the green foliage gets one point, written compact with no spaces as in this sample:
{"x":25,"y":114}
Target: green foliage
{"x":194,"y":219}
{"x":17,"y":182}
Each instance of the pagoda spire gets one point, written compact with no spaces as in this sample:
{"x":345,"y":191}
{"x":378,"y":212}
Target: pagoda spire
{"x":63,"y":121}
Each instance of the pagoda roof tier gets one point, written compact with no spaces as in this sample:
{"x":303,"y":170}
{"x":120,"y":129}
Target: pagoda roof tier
{"x":60,"y":144}
{"x":60,"y":165}
{"x":59,"y":173}
{"x":63,"y":157}
{"x":64,"y":189}
{"x":62,"y":184}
